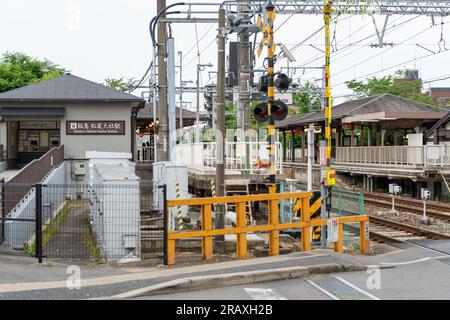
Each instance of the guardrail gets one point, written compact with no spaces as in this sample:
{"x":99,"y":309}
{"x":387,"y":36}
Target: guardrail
{"x":144,"y":154}
{"x":34,"y":172}
{"x":413,"y":156}
{"x":244,"y":156}
{"x":298,"y":154}
{"x":241,"y":229}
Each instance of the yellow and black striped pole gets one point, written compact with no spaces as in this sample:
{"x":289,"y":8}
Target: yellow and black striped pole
{"x":213,"y":188}
{"x":328,"y":103}
{"x":271,"y":49}
{"x":273,"y":205}
{"x":179,"y":211}
{"x":328,"y":176}
{"x":213,"y":192}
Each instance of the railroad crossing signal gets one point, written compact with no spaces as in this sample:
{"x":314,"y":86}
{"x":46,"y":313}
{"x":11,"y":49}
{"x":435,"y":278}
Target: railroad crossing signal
{"x":267,"y":39}
{"x":279,"y":111}
{"x":426,"y":194}
{"x":394,"y":188}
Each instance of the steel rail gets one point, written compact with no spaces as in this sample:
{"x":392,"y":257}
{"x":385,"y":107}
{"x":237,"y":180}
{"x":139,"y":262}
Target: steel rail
{"x":408,"y":228}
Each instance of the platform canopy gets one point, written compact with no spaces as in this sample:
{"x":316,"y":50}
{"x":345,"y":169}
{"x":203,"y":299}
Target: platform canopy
{"x":386,"y":110}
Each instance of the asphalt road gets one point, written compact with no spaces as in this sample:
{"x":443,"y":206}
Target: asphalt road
{"x":410,"y":272}
{"x":297,"y":289}
{"x":426,"y":278}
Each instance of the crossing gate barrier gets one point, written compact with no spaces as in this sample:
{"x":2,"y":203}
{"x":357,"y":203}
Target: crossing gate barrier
{"x":314,"y":211}
{"x":272,"y":227}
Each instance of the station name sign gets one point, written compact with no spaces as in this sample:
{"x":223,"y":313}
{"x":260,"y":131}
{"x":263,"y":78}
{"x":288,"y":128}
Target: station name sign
{"x":95,"y":127}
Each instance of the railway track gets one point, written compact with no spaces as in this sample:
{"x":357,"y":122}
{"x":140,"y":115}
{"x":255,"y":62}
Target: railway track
{"x":394,"y":232}
{"x":438,"y":211}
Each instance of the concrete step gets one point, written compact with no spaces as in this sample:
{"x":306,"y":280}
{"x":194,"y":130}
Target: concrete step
{"x":155,"y":221}
{"x":152,"y":234}
{"x":151,"y":227}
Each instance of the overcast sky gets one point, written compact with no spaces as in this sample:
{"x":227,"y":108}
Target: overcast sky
{"x":109,"y":38}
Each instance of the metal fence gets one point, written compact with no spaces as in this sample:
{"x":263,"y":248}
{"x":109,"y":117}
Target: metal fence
{"x":239,"y":156}
{"x":429,"y":155}
{"x":145,"y":154}
{"x":72,"y":221}
{"x":344,"y":202}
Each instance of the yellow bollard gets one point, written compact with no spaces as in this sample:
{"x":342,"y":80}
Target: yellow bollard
{"x":274,"y":243}
{"x":363,"y":239}
{"x":207,"y":244}
{"x":170,"y":252}
{"x":306,"y":231}
{"x":339,"y":245}
{"x":241,"y":222}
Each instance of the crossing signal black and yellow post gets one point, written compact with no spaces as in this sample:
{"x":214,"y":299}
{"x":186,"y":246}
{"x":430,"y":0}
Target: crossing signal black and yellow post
{"x":179,"y":211}
{"x":315,"y":204}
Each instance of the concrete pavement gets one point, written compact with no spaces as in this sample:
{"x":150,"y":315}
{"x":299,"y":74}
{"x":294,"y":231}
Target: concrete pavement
{"x":49,"y":282}
{"x":410,"y":272}
{"x":23,"y":278}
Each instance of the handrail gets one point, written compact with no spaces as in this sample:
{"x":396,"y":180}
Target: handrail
{"x":413,"y":156}
{"x":34,"y":172}
{"x":207,"y":232}
{"x":243,"y":156}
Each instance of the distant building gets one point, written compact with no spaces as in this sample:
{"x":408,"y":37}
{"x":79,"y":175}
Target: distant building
{"x":411,"y":76}
{"x":440,"y":95}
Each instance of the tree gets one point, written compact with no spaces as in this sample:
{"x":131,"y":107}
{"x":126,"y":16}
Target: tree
{"x":307,"y":99}
{"x":230,"y":116}
{"x":397,"y":84}
{"x":18,"y":70}
{"x":122,"y":84}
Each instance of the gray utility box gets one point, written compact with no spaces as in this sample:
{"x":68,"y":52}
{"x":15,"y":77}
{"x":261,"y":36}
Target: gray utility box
{"x":168,"y":173}
{"x":115,"y":210}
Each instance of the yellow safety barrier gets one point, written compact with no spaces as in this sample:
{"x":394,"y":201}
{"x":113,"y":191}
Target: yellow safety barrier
{"x":241,"y":229}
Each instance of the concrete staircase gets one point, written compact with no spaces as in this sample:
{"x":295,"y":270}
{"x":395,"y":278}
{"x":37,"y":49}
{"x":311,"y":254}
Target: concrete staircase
{"x":152,"y":234}
{"x":238,"y":188}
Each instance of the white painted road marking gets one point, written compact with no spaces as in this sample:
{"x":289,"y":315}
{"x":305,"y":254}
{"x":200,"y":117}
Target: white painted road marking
{"x":403,"y":263}
{"x":357,"y":288}
{"x":315,"y":285}
{"x":264,"y":294}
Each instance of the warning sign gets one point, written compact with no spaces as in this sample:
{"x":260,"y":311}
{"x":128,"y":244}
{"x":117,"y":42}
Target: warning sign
{"x":332,"y":230}
{"x":172,"y":219}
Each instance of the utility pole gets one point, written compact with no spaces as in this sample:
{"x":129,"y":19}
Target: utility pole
{"x":200,"y":68}
{"x":244,"y":86}
{"x":244,"y":75}
{"x":220,"y":129}
{"x":181,"y":90}
{"x":197,"y":109}
{"x":162,"y":87}
{"x":171,"y":97}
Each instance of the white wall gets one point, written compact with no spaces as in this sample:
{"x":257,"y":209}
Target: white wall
{"x":77,"y":145}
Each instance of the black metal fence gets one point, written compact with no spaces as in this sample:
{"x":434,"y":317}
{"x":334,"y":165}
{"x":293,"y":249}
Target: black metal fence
{"x":106,"y":222}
